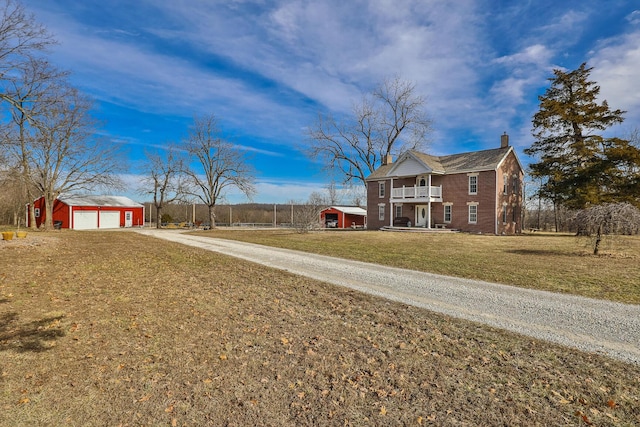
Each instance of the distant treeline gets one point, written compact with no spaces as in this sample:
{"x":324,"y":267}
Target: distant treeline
{"x":255,"y":213}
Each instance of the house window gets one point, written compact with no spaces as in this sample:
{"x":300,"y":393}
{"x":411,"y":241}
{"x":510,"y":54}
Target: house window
{"x":36,"y":212}
{"x":381,"y":212}
{"x":398,"y":211}
{"x":447,"y":213}
{"x":381,"y":189}
{"x":515,"y":184}
{"x":513,"y":214}
{"x":504,"y":214}
{"x":473,"y":214}
{"x":505,"y":184}
{"x":473,"y":184}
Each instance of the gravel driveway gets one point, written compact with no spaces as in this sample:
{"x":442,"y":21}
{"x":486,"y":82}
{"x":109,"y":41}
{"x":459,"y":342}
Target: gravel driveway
{"x":587,"y":324}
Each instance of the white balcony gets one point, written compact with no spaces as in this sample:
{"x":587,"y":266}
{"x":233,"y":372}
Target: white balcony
{"x":417,"y":194}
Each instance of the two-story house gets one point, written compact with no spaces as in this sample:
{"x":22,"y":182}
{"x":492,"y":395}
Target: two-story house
{"x":479,"y":191}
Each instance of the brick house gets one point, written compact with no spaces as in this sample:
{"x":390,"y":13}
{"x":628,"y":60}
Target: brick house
{"x":478,"y":192}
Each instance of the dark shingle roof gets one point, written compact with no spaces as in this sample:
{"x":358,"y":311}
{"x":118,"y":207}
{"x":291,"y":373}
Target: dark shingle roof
{"x":455,"y":163}
{"x":474,"y":161}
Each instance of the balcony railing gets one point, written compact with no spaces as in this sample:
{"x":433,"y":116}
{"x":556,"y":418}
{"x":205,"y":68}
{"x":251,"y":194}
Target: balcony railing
{"x":417,"y":193}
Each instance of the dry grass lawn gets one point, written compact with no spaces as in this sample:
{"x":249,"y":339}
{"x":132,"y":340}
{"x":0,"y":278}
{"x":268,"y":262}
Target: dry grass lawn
{"x":553,"y":262}
{"x":118,"y":329}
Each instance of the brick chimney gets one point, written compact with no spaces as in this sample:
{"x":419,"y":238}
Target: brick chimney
{"x":387,"y":160}
{"x":504,"y":140}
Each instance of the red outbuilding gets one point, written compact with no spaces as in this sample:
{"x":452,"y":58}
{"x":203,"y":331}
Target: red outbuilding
{"x":344,"y":217}
{"x":91,"y":212}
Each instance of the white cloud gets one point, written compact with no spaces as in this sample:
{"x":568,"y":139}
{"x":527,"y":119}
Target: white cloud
{"x":634,"y":17}
{"x":615,"y":64}
{"x":537,"y":54}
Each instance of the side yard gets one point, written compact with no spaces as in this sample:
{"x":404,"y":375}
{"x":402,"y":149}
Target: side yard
{"x":111,"y":328}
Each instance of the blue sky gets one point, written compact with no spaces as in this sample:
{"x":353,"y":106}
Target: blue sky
{"x":267,"y":68}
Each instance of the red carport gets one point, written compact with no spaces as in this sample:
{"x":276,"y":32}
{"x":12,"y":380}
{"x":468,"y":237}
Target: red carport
{"x":344,"y":217}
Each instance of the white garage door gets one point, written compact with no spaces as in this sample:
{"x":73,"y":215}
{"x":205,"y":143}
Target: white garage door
{"x":85,"y":220}
{"x":109,"y":219}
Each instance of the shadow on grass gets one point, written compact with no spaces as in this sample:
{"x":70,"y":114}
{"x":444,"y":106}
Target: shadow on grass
{"x":540,"y":252}
{"x":32,"y":336}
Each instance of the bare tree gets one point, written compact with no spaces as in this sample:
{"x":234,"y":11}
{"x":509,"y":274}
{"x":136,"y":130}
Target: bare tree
{"x":220,"y":165}
{"x":607,"y":219}
{"x":165,"y":179}
{"x":32,"y":90}
{"x":333,"y":193}
{"x":307,"y":215}
{"x":357,"y":195}
{"x":21,"y":40}
{"x":65,"y":155}
{"x":391,"y":120}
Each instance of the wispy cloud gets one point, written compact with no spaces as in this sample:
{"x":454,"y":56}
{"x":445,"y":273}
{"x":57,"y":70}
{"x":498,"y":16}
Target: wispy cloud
{"x":615,"y":63}
{"x":266,"y":68}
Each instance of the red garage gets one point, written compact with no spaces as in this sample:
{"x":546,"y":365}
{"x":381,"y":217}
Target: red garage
{"x":344,"y":217}
{"x":91,"y":212}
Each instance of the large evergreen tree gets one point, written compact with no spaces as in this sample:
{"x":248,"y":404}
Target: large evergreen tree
{"x":578,"y":166}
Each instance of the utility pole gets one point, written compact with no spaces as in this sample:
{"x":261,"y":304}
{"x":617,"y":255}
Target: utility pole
{"x":274,"y":215}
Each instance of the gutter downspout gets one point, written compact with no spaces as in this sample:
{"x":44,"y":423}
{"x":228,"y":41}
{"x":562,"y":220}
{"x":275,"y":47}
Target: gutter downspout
{"x":429,"y":203}
{"x":391,"y":204}
{"x":495,"y":211}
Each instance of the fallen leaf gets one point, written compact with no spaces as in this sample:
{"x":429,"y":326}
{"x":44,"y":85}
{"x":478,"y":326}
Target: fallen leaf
{"x":612,"y":404}
{"x":383,"y":411}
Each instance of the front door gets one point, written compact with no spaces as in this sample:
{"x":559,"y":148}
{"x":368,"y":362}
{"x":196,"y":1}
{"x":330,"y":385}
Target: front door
{"x":421,"y":215}
{"x":128,"y":218}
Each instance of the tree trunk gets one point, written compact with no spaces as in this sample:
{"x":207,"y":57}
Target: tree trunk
{"x":48,"y":209}
{"x":539,"y":210}
{"x":212,"y":217}
{"x":32,"y":216}
{"x":596,"y":247}
{"x":158,"y":216}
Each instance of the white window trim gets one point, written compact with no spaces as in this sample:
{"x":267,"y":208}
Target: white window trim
{"x":469,"y":175}
{"x":444,"y":217}
{"x":381,"y":212}
{"x":504,"y":213}
{"x":469,"y":204}
{"x":505,"y":184}
{"x":381,"y":189}
{"x":398,"y":207}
